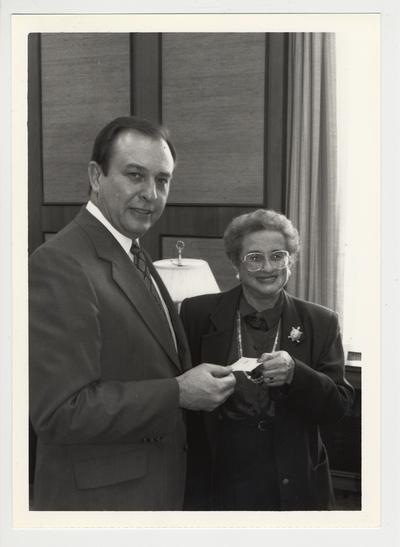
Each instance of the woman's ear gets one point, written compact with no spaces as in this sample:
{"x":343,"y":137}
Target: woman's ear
{"x":288,"y":273}
{"x":94,"y":173}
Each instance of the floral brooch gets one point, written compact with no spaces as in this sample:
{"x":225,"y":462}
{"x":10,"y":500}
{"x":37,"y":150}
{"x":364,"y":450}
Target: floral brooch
{"x":296,"y":335}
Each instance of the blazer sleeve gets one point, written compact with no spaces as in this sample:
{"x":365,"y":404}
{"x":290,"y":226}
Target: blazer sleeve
{"x":319,"y":391}
{"x":70,"y":402}
{"x":195,"y":323}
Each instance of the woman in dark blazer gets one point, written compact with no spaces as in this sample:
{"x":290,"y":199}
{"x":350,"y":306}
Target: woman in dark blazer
{"x":262,"y":450}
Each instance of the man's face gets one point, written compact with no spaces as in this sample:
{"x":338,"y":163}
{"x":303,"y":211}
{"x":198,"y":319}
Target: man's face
{"x":133,"y":194}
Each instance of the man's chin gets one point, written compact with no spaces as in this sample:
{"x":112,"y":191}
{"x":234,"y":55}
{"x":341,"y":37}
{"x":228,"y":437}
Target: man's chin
{"x":138,"y":229}
{"x":138,"y":224}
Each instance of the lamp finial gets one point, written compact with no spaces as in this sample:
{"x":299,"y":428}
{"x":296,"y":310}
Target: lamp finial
{"x":180,"y":245}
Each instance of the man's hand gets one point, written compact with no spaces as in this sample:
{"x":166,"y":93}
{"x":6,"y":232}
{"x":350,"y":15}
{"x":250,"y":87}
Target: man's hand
{"x":205,"y":387}
{"x":276,"y":368}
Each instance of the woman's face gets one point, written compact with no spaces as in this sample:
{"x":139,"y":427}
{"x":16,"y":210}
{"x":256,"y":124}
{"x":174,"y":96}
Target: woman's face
{"x":266,"y":283}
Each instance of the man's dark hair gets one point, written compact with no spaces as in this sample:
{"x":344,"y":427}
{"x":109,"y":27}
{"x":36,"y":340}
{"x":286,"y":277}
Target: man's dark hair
{"x":102,"y":148}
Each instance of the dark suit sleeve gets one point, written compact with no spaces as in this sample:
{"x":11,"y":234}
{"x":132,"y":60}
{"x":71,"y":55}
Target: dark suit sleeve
{"x":70,"y":402}
{"x":319,"y":391}
{"x":192,"y":328}
{"x":199,"y":461}
{"x":195,"y":318}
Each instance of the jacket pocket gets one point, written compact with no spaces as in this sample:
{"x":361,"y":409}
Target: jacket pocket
{"x":111,"y":469}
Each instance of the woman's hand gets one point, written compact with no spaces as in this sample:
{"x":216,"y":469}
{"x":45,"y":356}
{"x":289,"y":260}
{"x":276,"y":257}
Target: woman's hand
{"x":276,"y":368}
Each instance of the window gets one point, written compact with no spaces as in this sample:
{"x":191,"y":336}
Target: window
{"x":358,"y":178}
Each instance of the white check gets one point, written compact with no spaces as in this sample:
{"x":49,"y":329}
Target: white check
{"x":245,"y":364}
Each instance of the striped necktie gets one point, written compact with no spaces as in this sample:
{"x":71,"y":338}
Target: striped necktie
{"x":139,"y":260}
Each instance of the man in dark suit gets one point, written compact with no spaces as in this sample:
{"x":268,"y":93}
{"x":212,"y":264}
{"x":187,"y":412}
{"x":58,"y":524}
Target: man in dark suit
{"x":109,"y":364}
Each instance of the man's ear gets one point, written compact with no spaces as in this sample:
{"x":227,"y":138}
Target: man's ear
{"x":95,"y":173}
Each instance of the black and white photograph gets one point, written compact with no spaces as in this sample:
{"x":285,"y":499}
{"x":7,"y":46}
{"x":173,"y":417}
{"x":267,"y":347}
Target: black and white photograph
{"x":198,"y":234}
{"x":115,"y":376}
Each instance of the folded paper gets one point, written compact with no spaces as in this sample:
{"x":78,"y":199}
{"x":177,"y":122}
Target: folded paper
{"x":245,"y":364}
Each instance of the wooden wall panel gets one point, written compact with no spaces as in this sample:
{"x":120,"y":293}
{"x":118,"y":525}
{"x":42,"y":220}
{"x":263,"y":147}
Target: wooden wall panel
{"x":146,"y":75}
{"x":85,"y":83}
{"x":213,"y":103}
{"x":209,"y":249}
{"x":189,"y":221}
{"x":275,"y":121}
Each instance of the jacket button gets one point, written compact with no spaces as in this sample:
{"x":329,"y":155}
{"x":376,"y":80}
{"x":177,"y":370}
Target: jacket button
{"x":285,"y":481}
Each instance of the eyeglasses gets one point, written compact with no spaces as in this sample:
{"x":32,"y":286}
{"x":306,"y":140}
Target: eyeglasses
{"x":255,"y":260}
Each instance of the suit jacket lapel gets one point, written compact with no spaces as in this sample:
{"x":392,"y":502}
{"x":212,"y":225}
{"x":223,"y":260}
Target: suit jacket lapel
{"x":126,"y":276}
{"x":131,"y":283}
{"x":183,"y":348}
{"x":215,"y":347}
{"x":290,"y":318}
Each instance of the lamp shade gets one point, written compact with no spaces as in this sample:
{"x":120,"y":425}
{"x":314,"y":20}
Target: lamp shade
{"x":191,"y":278}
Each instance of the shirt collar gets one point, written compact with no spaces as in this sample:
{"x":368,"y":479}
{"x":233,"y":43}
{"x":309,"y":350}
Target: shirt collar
{"x":124,"y":241}
{"x":271,"y":315}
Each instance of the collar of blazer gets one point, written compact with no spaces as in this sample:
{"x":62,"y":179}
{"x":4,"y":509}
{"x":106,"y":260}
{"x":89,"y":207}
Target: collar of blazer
{"x":216,"y":343}
{"x":130,"y":282}
{"x":290,"y":319}
{"x":223,"y":316}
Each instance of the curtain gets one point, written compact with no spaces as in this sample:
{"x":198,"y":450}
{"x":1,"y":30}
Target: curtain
{"x":311,"y":174}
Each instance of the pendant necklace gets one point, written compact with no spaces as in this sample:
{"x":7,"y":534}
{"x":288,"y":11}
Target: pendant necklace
{"x":239,"y":341}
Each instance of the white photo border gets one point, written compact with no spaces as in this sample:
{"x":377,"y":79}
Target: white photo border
{"x":19,"y":523}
